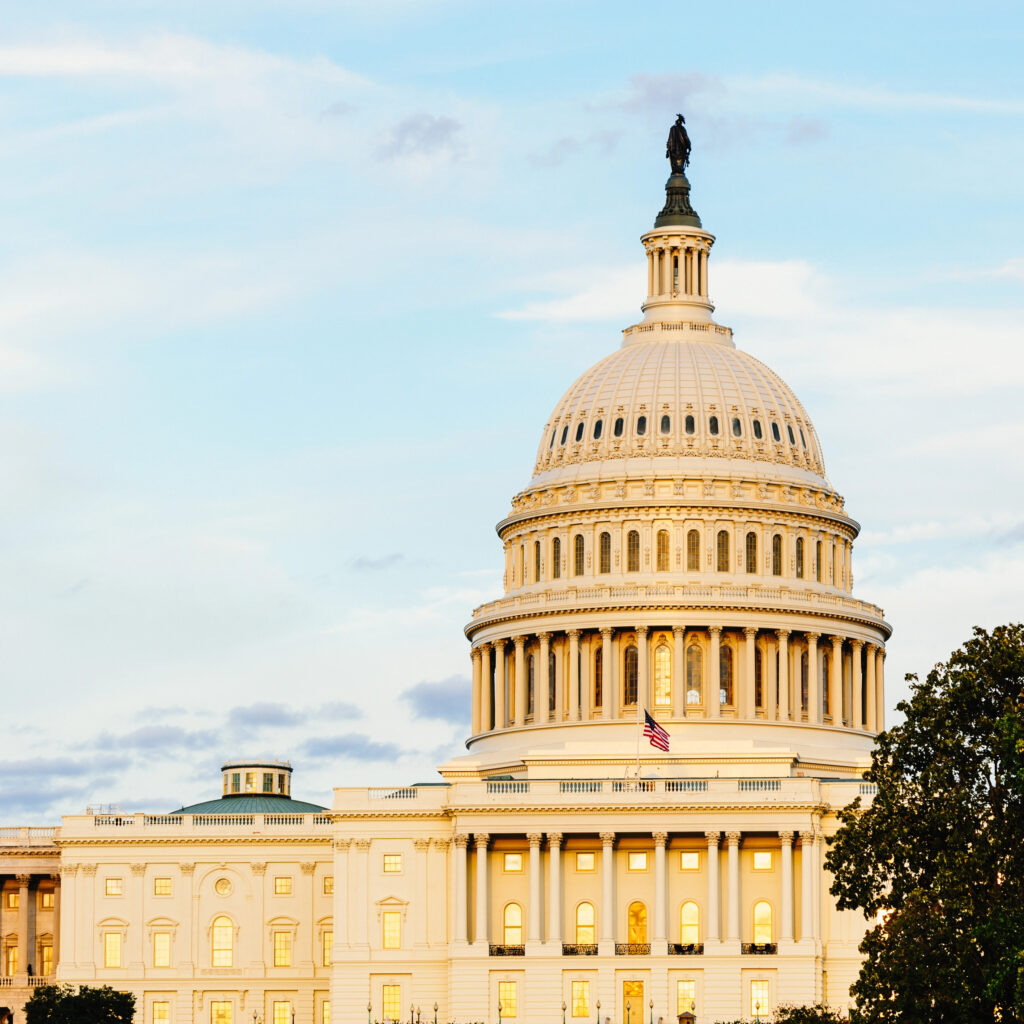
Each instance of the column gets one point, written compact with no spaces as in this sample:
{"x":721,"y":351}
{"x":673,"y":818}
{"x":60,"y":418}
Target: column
{"x":555,"y":888}
{"x":786,"y":917}
{"x":835,"y":681}
{"x":480,"y":933}
{"x":533,"y":910}
{"x":678,"y":661}
{"x":650,"y":272}
{"x":461,"y":842}
{"x":190,"y":947}
{"x":642,"y":698}
{"x":607,"y":887}
{"x":574,"y":675}
{"x":500,"y":721}
{"x":421,"y":846}
{"x":69,"y":954}
{"x":485,"y":687}
{"x":540,"y":697}
{"x":361,"y":936}
{"x":813,"y":677}
{"x":135,"y":909}
{"x":783,"y":635}
{"x":340,"y":909}
{"x":880,"y":689}
{"x":607,"y":674}
{"x":703,"y":256}
{"x":857,"y":704}
{"x":24,"y":946}
{"x":847,"y":571}
{"x":520,"y":710}
{"x":770,"y":678}
{"x":870,"y":710}
{"x":714,"y":888}
{"x":660,"y":901}
{"x":559,"y":712}
{"x":749,"y":671}
{"x":715,"y":673}
{"x":666,"y":271}
{"x":807,"y":886}
{"x":476,"y":691}
{"x":56,"y":919}
{"x":733,"y":841}
{"x":586,"y":664}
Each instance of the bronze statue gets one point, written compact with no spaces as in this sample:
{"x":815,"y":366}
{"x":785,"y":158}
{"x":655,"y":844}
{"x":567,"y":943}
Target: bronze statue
{"x":678,"y":148}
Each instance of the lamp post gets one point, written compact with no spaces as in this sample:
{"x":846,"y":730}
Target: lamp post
{"x":563,"y":1011}
{"x":435,"y":1011}
{"x":757,"y":1010}
{"x":628,"y":1004}
{"x":369,"y":1011}
{"x":598,"y":1012}
{"x":499,"y":1011}
{"x":651,"y":1005}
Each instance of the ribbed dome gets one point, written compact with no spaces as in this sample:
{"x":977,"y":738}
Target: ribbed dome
{"x":679,"y":403}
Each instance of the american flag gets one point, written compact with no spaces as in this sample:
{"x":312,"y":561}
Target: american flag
{"x":654,"y":732}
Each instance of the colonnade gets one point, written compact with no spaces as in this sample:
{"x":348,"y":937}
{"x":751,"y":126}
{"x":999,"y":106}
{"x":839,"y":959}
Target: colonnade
{"x":769,"y":675}
{"x":677,"y":269}
{"x":30,"y":946}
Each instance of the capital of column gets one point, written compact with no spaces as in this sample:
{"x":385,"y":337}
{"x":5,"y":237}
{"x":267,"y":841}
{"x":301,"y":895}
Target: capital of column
{"x":660,"y":838}
{"x":462,"y":839}
{"x":606,"y":630}
{"x":786,"y":838}
{"x":186,"y":867}
{"x":856,"y":644}
{"x":554,"y":839}
{"x":544,"y":638}
{"x":421,"y":844}
{"x":813,"y":636}
{"x":872,"y":649}
{"x":362,"y":844}
{"x":783,"y":634}
{"x":23,"y":880}
{"x":713,"y":838}
{"x":733,"y":838}
{"x":519,"y":641}
{"x":608,"y":838}
{"x":750,"y":632}
{"x":499,"y":644}
{"x":308,"y":867}
{"x":68,"y":870}
{"x":715,"y":630}
{"x":138,"y":869}
{"x":535,"y":838}
{"x":481,"y":839}
{"x":838,"y":638}
{"x":806,"y":838}
{"x":678,"y":631}
{"x":572,"y":633}
{"x":482,"y":648}
{"x":342,"y":844}
{"x":641,"y":631}
{"x":90,"y":869}
{"x":441,"y":842}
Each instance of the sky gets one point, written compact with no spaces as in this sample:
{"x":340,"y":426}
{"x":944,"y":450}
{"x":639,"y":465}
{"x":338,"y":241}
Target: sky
{"x":289,"y":290}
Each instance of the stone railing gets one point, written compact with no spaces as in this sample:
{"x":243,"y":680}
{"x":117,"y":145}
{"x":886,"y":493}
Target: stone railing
{"x":28,"y":835}
{"x":175,"y":824}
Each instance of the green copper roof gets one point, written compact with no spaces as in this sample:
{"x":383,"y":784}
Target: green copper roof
{"x":255,"y":803}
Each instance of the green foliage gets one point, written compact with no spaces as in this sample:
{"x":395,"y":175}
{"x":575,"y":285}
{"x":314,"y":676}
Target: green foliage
{"x":817,"y":1014}
{"x":52,"y":1004}
{"x":937,"y":861}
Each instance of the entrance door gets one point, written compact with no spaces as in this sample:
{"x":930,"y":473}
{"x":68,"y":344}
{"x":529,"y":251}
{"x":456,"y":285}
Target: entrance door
{"x":632,"y":1002}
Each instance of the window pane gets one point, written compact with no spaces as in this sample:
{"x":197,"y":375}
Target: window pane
{"x":693,"y":551}
{"x":268,"y":782}
{"x":220,"y":1012}
{"x":161,"y":1012}
{"x":282,"y":949}
{"x":662,"y":676}
{"x":629,"y":682}
{"x":759,"y":1006}
{"x":508,"y":998}
{"x":751,"y":552}
{"x":585,"y":924}
{"x":737,"y":428}
{"x":597,"y":429}
{"x":161,"y":887}
{"x":579,"y":432}
{"x":513,"y":862}
{"x":762,"y":922}
{"x":556,"y":558}
{"x":633,"y":551}
{"x":605,"y":545}
{"x":723,"y":551}
{"x":578,"y":555}
{"x":283,"y":885}
{"x":619,"y":427}
{"x":392,"y":863}
{"x":327,"y":948}
{"x":391,"y":921}
{"x":713,"y":425}
{"x":641,"y":426}
{"x":114,"y":887}
{"x":689,"y":860}
{"x":112,"y":949}
{"x":581,"y":998}
{"x":689,"y":924}
{"x":726,"y":675}
{"x":637,"y":860}
{"x":757,"y":430}
{"x":663,"y":555}
{"x":161,"y":949}
{"x":223,"y":942}
{"x":282,"y":1012}
{"x":694,"y":675}
{"x":585,"y":861}
{"x":513,"y":925}
{"x":325,"y":1012}
{"x":691,"y":425}
{"x":328,"y":885}
{"x":777,"y":555}
{"x":686,"y":996}
{"x":392,"y":1002}
{"x":637,"y":923}
{"x":666,"y":424}
{"x":762,"y":860}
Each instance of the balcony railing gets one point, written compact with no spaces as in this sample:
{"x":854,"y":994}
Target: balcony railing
{"x":506,"y":950}
{"x":686,"y":948}
{"x":579,"y":949}
{"x":759,"y":948}
{"x":632,"y":949}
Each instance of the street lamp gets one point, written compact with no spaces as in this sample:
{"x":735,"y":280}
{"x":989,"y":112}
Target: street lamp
{"x":651,"y":1005}
{"x":628,"y":1004}
{"x":499,"y":1011}
{"x":369,"y":1011}
{"x":757,"y":1010}
{"x":435,"y":1011}
{"x":563,"y":1011}
{"x":598,"y":1012}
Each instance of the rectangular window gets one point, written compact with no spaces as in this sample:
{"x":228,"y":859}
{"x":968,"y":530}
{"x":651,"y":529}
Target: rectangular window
{"x":391,"y":926}
{"x":282,"y":1012}
{"x":581,"y":998}
{"x":513,"y":862}
{"x":762,"y":860}
{"x":236,"y":782}
{"x":47,"y":958}
{"x":325,"y":1012}
{"x":114,"y":887}
{"x":250,"y":782}
{"x":391,"y":1002}
{"x":689,"y":860}
{"x":759,"y":999}
{"x":686,"y":997}
{"x":282,"y":949}
{"x":161,"y":887}
{"x":12,"y":899}
{"x":161,"y":1012}
{"x":268,"y":782}
{"x":508,"y":998}
{"x":161,"y":949}
{"x":637,"y":860}
{"x":392,"y":863}
{"x":220,"y":1012}
{"x":328,"y":946}
{"x":46,"y":900}
{"x":12,"y":961}
{"x":585,"y":861}
{"x":283,"y":885}
{"x":328,"y":885}
{"x":280,"y":783}
{"x":111,"y":949}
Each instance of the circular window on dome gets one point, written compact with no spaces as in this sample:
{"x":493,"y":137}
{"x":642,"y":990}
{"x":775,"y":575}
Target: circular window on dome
{"x":641,"y":426}
{"x":713,"y":425}
{"x":666,"y":424}
{"x":565,"y":434}
{"x":737,"y":428}
{"x":757,"y":430}
{"x":691,"y":425}
{"x":579,"y":432}
{"x":775,"y":431}
{"x":222,"y":887}
{"x":597,"y":429}
{"x":619,"y":427}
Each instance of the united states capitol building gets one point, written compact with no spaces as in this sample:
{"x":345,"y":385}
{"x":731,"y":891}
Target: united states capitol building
{"x":678,"y":551}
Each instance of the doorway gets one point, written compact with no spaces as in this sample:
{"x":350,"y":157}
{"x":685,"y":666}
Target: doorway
{"x":632,"y":1002}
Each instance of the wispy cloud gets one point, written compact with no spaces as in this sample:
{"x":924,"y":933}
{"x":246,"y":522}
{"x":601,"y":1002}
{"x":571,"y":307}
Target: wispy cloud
{"x":265,"y":714}
{"x":364,"y":563}
{"x":353,"y":746}
{"x":446,"y":699}
{"x":420,"y":135}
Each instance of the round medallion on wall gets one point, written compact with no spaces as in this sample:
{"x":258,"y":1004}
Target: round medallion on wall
{"x":222,"y":887}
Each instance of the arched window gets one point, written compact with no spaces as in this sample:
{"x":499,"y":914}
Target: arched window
{"x":723,"y":551}
{"x":725,"y":674}
{"x":605,"y":552}
{"x":825,"y":659}
{"x":775,"y":431}
{"x":585,"y":924}
{"x":663,"y":551}
{"x":777,"y":555}
{"x":762,"y":923}
{"x":666,"y":424}
{"x":536,"y":561}
{"x":803,"y":440}
{"x":817,"y":561}
{"x":552,"y":670}
{"x":565,"y":433}
{"x":751,"y":552}
{"x":512,"y":925}
{"x":758,"y":679}
{"x":522,"y":564}
{"x":792,"y":438}
{"x":553,"y":432}
{"x":556,"y":558}
{"x":579,"y":433}
{"x":694,"y":675}
{"x":599,"y":678}
{"x":799,"y":558}
{"x":713,"y":425}
{"x":757,"y":430}
{"x":637,"y":923}
{"x":620,"y":425}
{"x":691,"y":426}
{"x":629,"y":676}
{"x":662,"y":676}
{"x":693,"y":551}
{"x":803,"y":681}
{"x":632,"y":551}
{"x":531,"y":669}
{"x":689,"y":924}
{"x":223,"y":942}
{"x":598,"y":427}
{"x":737,"y":427}
{"x":577,"y":555}
{"x":641,"y":426}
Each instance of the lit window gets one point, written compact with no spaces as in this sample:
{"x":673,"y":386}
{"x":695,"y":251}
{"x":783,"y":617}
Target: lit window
{"x":282,"y":1012}
{"x":585,"y":861}
{"x":757,"y":429}
{"x":577,"y":555}
{"x":693,"y":551}
{"x":250,"y":782}
{"x":775,"y":431}
{"x":662,"y":562}
{"x":689,"y":860}
{"x":161,"y":1012}
{"x":758,"y":680}
{"x":512,"y":925}
{"x":392,"y":863}
{"x":328,"y":885}
{"x":799,"y":558}
{"x":691,"y":425}
{"x":762,"y":860}
{"x":666,"y":424}
{"x":223,"y":942}
{"x":605,"y":552}
{"x":114,"y":887}
{"x":777,"y":555}
{"x":581,"y":998}
{"x":161,"y":887}
{"x":391,"y":1001}
{"x":325,"y":1012}
{"x":619,"y":427}
{"x":161,"y":949}
{"x":326,"y":948}
{"x":637,"y":918}
{"x":694,"y":675}
{"x":759,"y":1006}
{"x":513,"y":862}
{"x":579,"y":433}
{"x":508,"y":998}
{"x":220,"y":1012}
{"x":282,"y":949}
{"x":556,"y":558}
{"x":637,"y":860}
{"x":12,"y":961}
{"x":46,"y":952}
{"x":689,"y":924}
{"x":111,"y":949}
{"x":751,"y":552}
{"x":46,"y":900}
{"x":632,"y":551}
{"x":737,"y":428}
{"x":725,"y":673}
{"x":585,"y":924}
{"x":283,"y":885}
{"x":662,"y":676}
{"x":713,"y":425}
{"x":282,"y":783}
{"x":686,"y":996}
{"x":629,"y":681}
{"x":597,"y":429}
{"x":641,"y":426}
{"x":723,"y":551}
{"x":391,"y":927}
{"x":762,"y":922}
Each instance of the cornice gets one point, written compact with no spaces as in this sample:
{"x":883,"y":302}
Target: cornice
{"x":125,"y":841}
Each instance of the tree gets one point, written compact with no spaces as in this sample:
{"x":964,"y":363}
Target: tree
{"x":53,"y":1004}
{"x":817,"y":1014}
{"x":937,"y":861}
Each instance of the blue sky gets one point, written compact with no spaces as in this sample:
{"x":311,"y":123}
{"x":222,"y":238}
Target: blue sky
{"x":287,"y":292}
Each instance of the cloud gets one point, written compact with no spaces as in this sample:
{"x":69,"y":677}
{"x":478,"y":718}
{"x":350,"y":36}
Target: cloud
{"x":447,"y":699}
{"x":265,"y":714}
{"x":802,"y":130}
{"x":339,"y":108}
{"x":668,"y":93}
{"x":365,"y":564}
{"x":602,"y":142}
{"x":49,"y":786}
{"x":338,"y":709}
{"x":354,"y":746}
{"x":422,"y":135}
{"x":157,"y":740}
